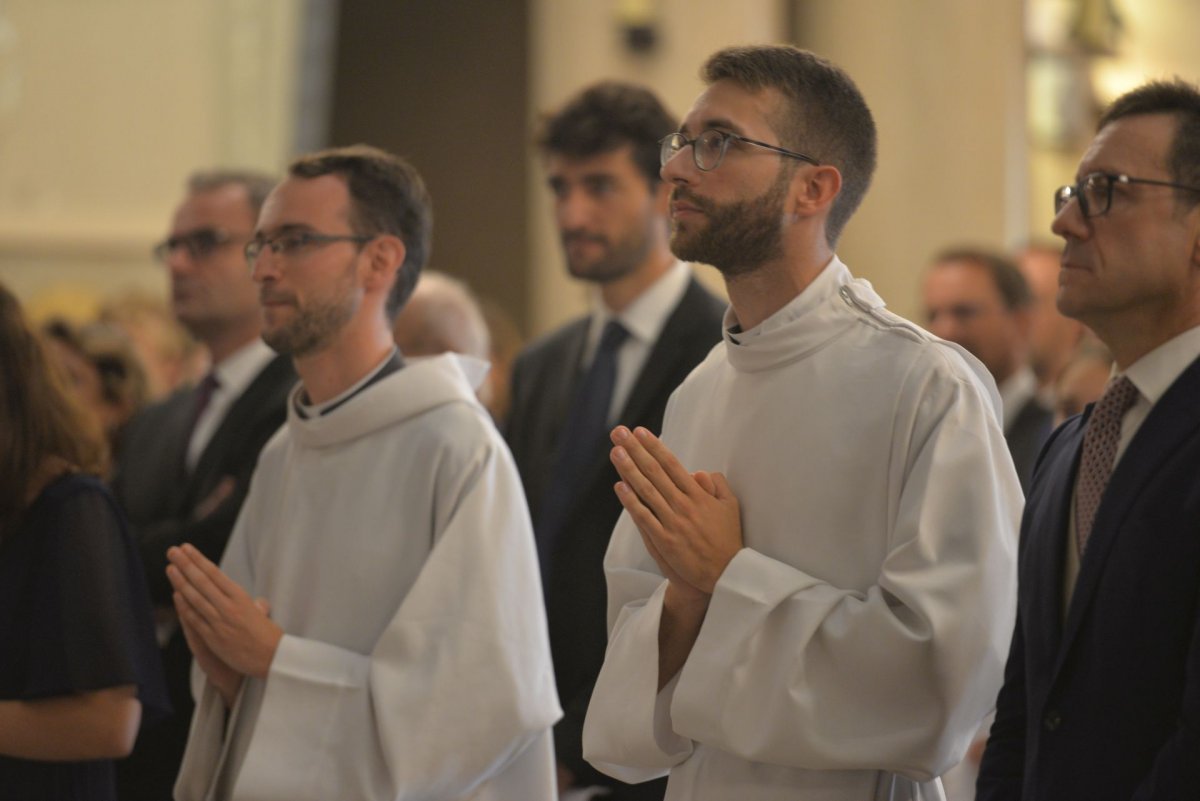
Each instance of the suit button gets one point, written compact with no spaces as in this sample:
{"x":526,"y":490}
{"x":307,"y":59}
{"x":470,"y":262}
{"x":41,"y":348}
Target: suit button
{"x":1052,"y":720}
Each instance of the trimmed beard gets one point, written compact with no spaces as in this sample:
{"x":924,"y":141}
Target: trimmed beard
{"x":740,"y":237}
{"x":315,"y":325}
{"x":621,"y":258}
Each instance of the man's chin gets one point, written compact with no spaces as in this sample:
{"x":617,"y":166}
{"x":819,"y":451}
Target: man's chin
{"x":597,"y":272}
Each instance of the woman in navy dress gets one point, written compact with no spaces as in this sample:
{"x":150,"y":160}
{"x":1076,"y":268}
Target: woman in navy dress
{"x":79,"y":670}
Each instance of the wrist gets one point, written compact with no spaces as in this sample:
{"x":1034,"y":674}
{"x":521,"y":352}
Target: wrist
{"x":681,"y":597}
{"x":263,"y":667}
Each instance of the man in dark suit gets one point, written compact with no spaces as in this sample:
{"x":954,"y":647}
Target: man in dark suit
{"x":1101,"y":698}
{"x":184,"y":464}
{"x":980,"y":300}
{"x":651,"y":323}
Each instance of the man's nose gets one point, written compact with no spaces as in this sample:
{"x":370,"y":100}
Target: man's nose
{"x":179,"y":259}
{"x":680,"y":167}
{"x":1070,"y":222}
{"x":574,"y":210}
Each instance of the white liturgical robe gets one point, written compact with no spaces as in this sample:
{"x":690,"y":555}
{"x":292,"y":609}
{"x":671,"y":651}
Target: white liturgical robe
{"x":852,"y":647}
{"x":392,"y":540}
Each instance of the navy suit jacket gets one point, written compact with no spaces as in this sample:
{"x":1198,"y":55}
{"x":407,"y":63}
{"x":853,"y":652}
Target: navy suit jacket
{"x":544,"y":379}
{"x":1106,"y":705}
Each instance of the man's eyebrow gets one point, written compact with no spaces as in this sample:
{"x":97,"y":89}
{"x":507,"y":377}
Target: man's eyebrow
{"x":285,"y":228}
{"x":721,"y":123}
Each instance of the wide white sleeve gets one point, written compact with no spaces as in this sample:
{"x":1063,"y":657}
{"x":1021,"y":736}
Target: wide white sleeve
{"x":791,"y":670}
{"x":455,"y":689}
{"x":628,"y":733}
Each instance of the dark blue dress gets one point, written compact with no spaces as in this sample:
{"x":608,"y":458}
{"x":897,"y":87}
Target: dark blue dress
{"x":74,"y":617}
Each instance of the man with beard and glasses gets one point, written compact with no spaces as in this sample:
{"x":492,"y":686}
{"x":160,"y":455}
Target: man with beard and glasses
{"x":650,"y":324}
{"x":812,"y":586}
{"x":375,"y":630}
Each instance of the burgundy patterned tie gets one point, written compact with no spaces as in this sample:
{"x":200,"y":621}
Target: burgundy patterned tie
{"x":203,"y":394}
{"x":1099,"y":450}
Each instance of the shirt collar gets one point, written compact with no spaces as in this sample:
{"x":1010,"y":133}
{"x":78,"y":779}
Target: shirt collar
{"x":238,"y":370}
{"x":645,"y":317}
{"x":1157,"y":370}
{"x":1015,"y":392}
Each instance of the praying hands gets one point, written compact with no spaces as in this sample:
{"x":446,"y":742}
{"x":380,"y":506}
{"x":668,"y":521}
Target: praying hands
{"x":230,"y":634}
{"x":691,"y":525}
{"x":690,"y":522}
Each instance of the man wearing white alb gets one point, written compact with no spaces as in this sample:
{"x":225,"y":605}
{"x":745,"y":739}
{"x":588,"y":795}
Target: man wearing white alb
{"x":405,"y":655}
{"x":811,"y":591}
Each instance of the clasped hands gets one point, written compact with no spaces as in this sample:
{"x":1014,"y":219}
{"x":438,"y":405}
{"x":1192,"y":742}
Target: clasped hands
{"x":230,"y":634}
{"x":690,"y":522}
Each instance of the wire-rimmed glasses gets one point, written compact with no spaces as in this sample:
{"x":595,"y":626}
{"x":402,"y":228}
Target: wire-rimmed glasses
{"x":708,"y":148}
{"x":287,"y":243}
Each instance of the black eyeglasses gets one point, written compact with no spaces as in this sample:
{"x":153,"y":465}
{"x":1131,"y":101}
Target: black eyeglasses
{"x":289,"y":243}
{"x":199,"y":244}
{"x":708,"y":148}
{"x":1094,"y":191}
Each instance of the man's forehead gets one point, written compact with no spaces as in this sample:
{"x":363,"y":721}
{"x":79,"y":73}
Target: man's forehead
{"x":306,"y":201}
{"x":1136,"y":145}
{"x":610,"y":162}
{"x":730,"y":106}
{"x":223,"y":205}
{"x":963,"y":275}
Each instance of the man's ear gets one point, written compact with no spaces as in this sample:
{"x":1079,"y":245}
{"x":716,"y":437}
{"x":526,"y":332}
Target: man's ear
{"x":385,"y":255}
{"x":815,"y":188}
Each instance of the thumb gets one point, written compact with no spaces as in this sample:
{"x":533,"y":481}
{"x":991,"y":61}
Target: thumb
{"x":705,"y":481}
{"x":264,"y":605}
{"x":721,"y":489}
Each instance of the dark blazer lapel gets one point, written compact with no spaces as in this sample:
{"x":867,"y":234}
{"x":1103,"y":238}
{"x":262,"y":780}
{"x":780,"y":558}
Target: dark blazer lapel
{"x":255,"y":403}
{"x":543,"y":385}
{"x":1170,"y":422}
{"x":659,"y":374}
{"x":1043,"y":551}
{"x":175,"y":435}
{"x":563,"y":374}
{"x":676,"y":339}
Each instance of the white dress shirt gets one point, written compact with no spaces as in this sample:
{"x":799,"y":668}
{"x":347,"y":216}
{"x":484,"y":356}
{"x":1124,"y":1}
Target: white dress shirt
{"x":234,"y":375}
{"x":644,"y":320}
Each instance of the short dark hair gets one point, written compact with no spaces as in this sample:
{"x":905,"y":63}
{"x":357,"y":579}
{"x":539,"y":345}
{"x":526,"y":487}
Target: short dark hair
{"x":1181,"y":100}
{"x":607,"y":116}
{"x":257,"y":184}
{"x":825,"y":117}
{"x":1006,"y":276}
{"x":387,"y":196}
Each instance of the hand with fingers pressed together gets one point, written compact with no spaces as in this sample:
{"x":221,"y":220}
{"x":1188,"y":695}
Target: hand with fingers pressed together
{"x":691,"y":526}
{"x":690,"y":521}
{"x":230,"y":634}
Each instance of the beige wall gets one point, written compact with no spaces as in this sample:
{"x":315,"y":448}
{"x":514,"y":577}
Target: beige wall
{"x":944,"y":80}
{"x":113,"y":103}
